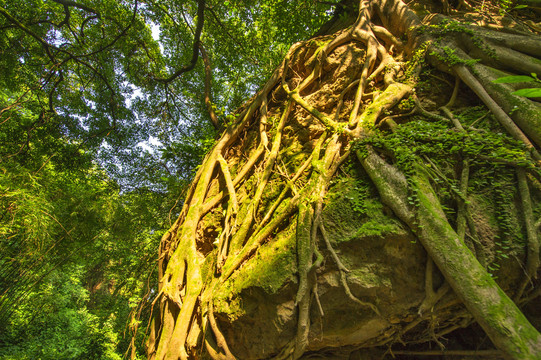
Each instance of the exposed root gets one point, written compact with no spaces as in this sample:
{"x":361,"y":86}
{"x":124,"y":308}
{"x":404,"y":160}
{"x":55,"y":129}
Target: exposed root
{"x":230,"y":186}
{"x":257,"y":239}
{"x":283,"y":194}
{"x":461,"y":221}
{"x":304,"y":260}
{"x":532,"y":261}
{"x":440,"y":241}
{"x":431,"y":297}
{"x":220,"y":339}
{"x":337,"y":261}
{"x":299,"y":192}
{"x":496,"y":110}
{"x":240,"y":237}
{"x":344,"y":282}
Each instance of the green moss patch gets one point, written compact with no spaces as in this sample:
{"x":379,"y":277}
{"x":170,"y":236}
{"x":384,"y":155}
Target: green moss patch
{"x":353,"y":210}
{"x":272,"y":266}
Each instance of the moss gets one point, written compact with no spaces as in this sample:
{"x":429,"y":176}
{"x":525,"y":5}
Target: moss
{"x":207,"y":268}
{"x":368,"y":278}
{"x":225,"y":302}
{"x":353,"y":210}
{"x":294,"y":154}
{"x":374,"y":227}
{"x":272,"y":266}
{"x":272,"y":191}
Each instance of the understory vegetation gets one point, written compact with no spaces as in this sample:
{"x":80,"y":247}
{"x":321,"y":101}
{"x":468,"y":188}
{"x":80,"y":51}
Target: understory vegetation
{"x":378,"y":197}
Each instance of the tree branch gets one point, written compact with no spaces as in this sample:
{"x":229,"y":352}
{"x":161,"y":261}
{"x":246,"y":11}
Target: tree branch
{"x":24,"y":28}
{"x":69,"y":3}
{"x":196,"y":43}
{"x":208,"y":84}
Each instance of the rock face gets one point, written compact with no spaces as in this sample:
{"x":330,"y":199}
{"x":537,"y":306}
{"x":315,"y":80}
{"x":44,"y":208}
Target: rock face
{"x":386,"y":279}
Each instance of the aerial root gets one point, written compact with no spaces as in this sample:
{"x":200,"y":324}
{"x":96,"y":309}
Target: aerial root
{"x":384,"y":34}
{"x":176,"y":347}
{"x":257,"y":239}
{"x":308,"y":224}
{"x":250,"y":163}
{"x":239,"y":238}
{"x":280,"y":199}
{"x":220,"y":339}
{"x":512,"y":59}
{"x":431,"y":330}
{"x":344,"y":282}
{"x":431,"y":296}
{"x":462,"y":197}
{"x":341,"y":98}
{"x":307,"y":228}
{"x":211,"y":346}
{"x":292,"y":198}
{"x":428,"y":114}
{"x":370,"y":60}
{"x":451,"y":117}
{"x":462,"y":201}
{"x":480,"y":251}
{"x":337,"y":261}
{"x":223,"y":242}
{"x":532,"y":261}
{"x":178,"y":275}
{"x":318,"y":301}
{"x":464,"y":322}
{"x":229,"y":183}
{"x":504,"y":119}
{"x":325,"y":120}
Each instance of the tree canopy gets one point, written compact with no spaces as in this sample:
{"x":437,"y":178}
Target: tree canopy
{"x":104,"y":117}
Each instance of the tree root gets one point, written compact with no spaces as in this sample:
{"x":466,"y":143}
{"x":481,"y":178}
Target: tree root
{"x":337,"y":261}
{"x":183,"y":295}
{"x":532,"y":260}
{"x":230,"y":186}
{"x":496,"y":110}
{"x":431,"y":297}
{"x":440,"y":241}
{"x":220,"y":339}
{"x":239,"y":238}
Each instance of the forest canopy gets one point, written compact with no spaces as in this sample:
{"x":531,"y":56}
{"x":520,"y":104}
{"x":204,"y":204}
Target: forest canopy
{"x":133,"y":129}
{"x":103,"y":122}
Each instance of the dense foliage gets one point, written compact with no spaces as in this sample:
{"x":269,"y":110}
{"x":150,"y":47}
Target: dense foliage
{"x":98,"y":141}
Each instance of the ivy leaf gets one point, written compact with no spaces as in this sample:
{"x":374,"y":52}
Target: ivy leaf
{"x":532,"y":92}
{"x":513,"y":79}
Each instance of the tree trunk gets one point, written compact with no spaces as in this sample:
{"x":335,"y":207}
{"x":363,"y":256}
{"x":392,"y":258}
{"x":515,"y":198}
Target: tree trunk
{"x":259,"y":216}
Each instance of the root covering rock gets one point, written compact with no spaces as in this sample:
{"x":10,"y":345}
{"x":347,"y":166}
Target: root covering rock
{"x":361,"y":200}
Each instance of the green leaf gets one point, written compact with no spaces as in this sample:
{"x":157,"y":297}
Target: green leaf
{"x":532,"y":92}
{"x":513,"y":79}
{"x":520,"y":7}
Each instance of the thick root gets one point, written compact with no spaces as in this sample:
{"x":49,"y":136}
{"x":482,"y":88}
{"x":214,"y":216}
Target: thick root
{"x":480,"y":293}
